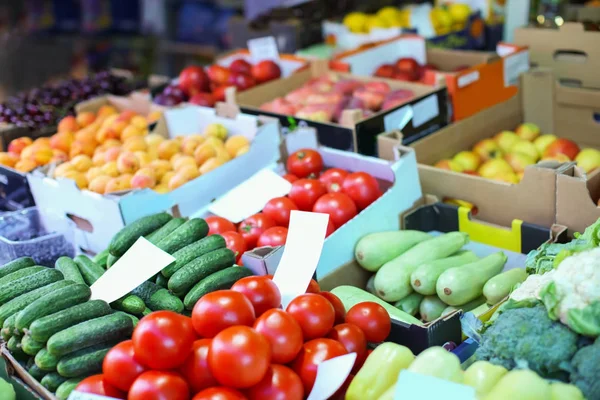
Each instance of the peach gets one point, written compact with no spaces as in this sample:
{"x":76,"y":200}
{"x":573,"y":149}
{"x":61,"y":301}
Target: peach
{"x":242,"y":151}
{"x":78,"y":177}
{"x":139,"y":122}
{"x":189,"y":171}
{"x":211,"y":164}
{"x":126,"y":115}
{"x":223,"y":154}
{"x":87,"y":136}
{"x":105,"y":134}
{"x":144,"y":178}
{"x":17,"y":145}
{"x":154,"y":116}
{"x":42,"y":155}
{"x":204,"y":152}
{"x":98,"y":184}
{"x":182,"y":161}
{"x":154,"y":139}
{"x":110,"y":169}
{"x":109,"y":120}
{"x":62,"y":141}
{"x":106,"y":110}
{"x":42,"y":142}
{"x":176,"y":181}
{"x":82,"y":162}
{"x":127,"y":163}
{"x":78,"y":147}
{"x":215,"y":130}
{"x":27,"y":152}
{"x":59,"y":157}
{"x":162,"y":189}
{"x":235,"y":143}
{"x":179,"y":140}
{"x":191,"y":143}
{"x":68,"y":124}
{"x":161,"y":167}
{"x":112,"y":154}
{"x":144,"y":158}
{"x":98,"y":158}
{"x":8,"y":159}
{"x":167,"y":177}
{"x":135,"y":143}
{"x":118,"y":126}
{"x":116,"y":185}
{"x":25,"y":165}
{"x":213,"y":141}
{"x":132,"y":131}
{"x":111,"y":143}
{"x":85,"y":118}
{"x":168,"y":149}
{"x":93,"y":173}
{"x":62,"y":169}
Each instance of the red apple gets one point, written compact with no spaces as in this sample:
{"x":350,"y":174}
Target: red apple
{"x":192,"y":80}
{"x":203,"y":99}
{"x":265,"y":71}
{"x":241,"y":66}
{"x":430,"y":67}
{"x":386,"y":71}
{"x":406,"y":76}
{"x":218,"y":75}
{"x":372,"y":99}
{"x":219,"y":93}
{"x":562,"y":146}
{"x":409,"y":65}
{"x":346,"y":86}
{"x":381,"y":87}
{"x":241,"y":81}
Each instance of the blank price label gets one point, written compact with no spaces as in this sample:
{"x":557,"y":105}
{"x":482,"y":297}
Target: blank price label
{"x":264,"y":48}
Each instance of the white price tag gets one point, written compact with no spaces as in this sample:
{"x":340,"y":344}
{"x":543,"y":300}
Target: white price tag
{"x":467,"y":79}
{"x":514,"y":66}
{"x":411,"y":385}
{"x":264,"y":48}
{"x":397,"y":120}
{"x":303,"y":246}
{"x":425,"y":110}
{"x":331,"y":375}
{"x":75,"y":395}
{"x":142,"y":261}
{"x":183,"y":121}
{"x":301,"y":138}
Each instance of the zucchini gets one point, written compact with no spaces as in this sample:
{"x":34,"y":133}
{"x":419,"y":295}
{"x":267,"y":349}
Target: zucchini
{"x":129,"y":303}
{"x":375,"y":249}
{"x":191,"y":231}
{"x":500,"y":286}
{"x":36,"y":373}
{"x":423,"y":279}
{"x":21,"y":273}
{"x":223,"y":279}
{"x":19,"y":303}
{"x":162,"y":280}
{"x":52,"y":381}
{"x":69,"y":269}
{"x":46,"y":361}
{"x":465,"y":307}
{"x":127,"y":236}
{"x":52,"y":303}
{"x":16,"y":265}
{"x":14,"y":289}
{"x":84,"y":362}
{"x":157,"y":298}
{"x":101,"y":258}
{"x":107,"y":328}
{"x":111,"y":261}
{"x":165,"y":230}
{"x":30,"y":346}
{"x":90,"y":271}
{"x":199,"y":268}
{"x":64,"y":390}
{"x":192,"y":251}
{"x":431,"y":308}
{"x":410,"y":304}
{"x":43,"y":328}
{"x":133,"y":318}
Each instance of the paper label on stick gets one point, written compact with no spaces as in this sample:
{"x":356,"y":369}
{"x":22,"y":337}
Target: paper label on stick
{"x":142,"y":261}
{"x":397,"y":120}
{"x":264,"y":48}
{"x":411,"y":385}
{"x":301,"y":138}
{"x":425,"y":110}
{"x":303,"y":246}
{"x":331,"y":375}
{"x":183,"y":121}
{"x":87,"y":396}
{"x":514,"y":66}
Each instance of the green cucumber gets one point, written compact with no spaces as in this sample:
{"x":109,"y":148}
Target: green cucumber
{"x":90,"y":271}
{"x":101,"y":258}
{"x":14,"y":289}
{"x":14,"y":345}
{"x":133,"y":318}
{"x":129,"y":303}
{"x":84,"y":362}
{"x":52,"y":381}
{"x":64,"y":390}
{"x":36,"y":373}
{"x":375,"y":249}
{"x":199,"y":268}
{"x":473,"y":304}
{"x":19,"y":303}
{"x":165,"y":230}
{"x":500,"y":286}
{"x":162,"y":280}
{"x":21,"y":273}
{"x":351,"y":296}
{"x":127,"y":236}
{"x":191,"y":231}
{"x":431,"y":308}
{"x":16,"y":265}
{"x":460,"y":285}
{"x":43,"y":328}
{"x":46,"y":361}
{"x":69,"y":269}
{"x":423,"y":279}
{"x":410,"y":304}
{"x":157,"y":298}
{"x":31,"y":346}
{"x":392,"y":281}
{"x":8,"y":327}
{"x":146,"y":311}
{"x":109,"y":327}
{"x":111,"y":261}
{"x":193,"y":251}
{"x":53,"y":302}
{"x":223,"y":279}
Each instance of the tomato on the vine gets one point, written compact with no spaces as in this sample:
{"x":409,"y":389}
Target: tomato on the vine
{"x":235,"y":242}
{"x":339,"y":206}
{"x":262,"y":292}
{"x":352,"y":338}
{"x":338,"y":306}
{"x":280,"y":383}
{"x":314,"y":313}
{"x":313,"y":353}
{"x":305,"y":193}
{"x":219,"y":393}
{"x":239,"y":357}
{"x":252,"y":227}
{"x":279,"y":210}
{"x":195,"y":369}
{"x":333,"y":179}
{"x":218,"y":225}
{"x":163,"y":339}
{"x":159,"y":385}
{"x":372,"y":319}
{"x":305,"y":162}
{"x":275,"y":236}
{"x":283,"y":333}
{"x":362,"y":188}
{"x":120,"y":368}
{"x":221,"y":309}
{"x":291,"y":178}
{"x":96,"y":384}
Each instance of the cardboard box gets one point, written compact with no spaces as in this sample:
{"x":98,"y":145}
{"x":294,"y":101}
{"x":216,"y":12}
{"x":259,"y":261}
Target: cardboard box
{"x":356,"y":133}
{"x":138,"y":102}
{"x":29,"y":387}
{"x":577,"y":199}
{"x":99,"y":217}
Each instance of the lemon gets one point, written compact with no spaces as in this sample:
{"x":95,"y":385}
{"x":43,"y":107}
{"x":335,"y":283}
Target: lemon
{"x":404,"y":18}
{"x":356,"y":22}
{"x":441,"y":20}
{"x":373,"y":21}
{"x":389,"y":15}
{"x":459,"y":12}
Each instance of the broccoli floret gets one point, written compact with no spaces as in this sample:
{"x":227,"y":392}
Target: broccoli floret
{"x":585,"y":370}
{"x":528,"y":337}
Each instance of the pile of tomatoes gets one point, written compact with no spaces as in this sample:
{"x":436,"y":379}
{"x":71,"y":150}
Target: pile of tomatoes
{"x":335,"y":191}
{"x":239,"y":345}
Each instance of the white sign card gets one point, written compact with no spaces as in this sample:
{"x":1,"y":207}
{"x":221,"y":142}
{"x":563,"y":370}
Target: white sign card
{"x":264,"y":48}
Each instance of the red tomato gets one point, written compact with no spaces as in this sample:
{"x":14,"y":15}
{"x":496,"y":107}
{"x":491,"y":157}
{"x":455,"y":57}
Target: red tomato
{"x":291,"y":178}
{"x":195,"y":369}
{"x":339,"y":206}
{"x":313,"y":353}
{"x":236,"y":243}
{"x":275,"y":236}
{"x":283,"y":333}
{"x":96,"y":384}
{"x":279,"y":210}
{"x":305,"y":192}
{"x":314,"y":313}
{"x":217,"y":225}
{"x":333,"y":179}
{"x":219,"y":393}
{"x":252,"y":227}
{"x":163,"y":339}
{"x":159,"y":385}
{"x":262,"y":292}
{"x":363,"y":188}
{"x":313,"y":287}
{"x":239,"y":357}
{"x":330,"y":228}
{"x":219,"y":310}
{"x":120,"y":368}
{"x":193,"y":80}
{"x":304,"y":162}
{"x":372,"y":319}
{"x":280,"y":383}
{"x":338,"y":307}
{"x":352,"y":338}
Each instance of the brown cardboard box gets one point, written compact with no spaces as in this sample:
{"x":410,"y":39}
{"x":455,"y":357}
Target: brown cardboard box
{"x":17,"y":370}
{"x":576,"y":199}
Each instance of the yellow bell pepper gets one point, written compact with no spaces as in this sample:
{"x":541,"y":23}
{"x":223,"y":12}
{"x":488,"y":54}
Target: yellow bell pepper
{"x":379,"y":372}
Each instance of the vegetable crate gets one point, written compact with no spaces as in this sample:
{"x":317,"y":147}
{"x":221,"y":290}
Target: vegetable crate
{"x":577,"y":199}
{"x":27,"y":388}
{"x":485,"y":239}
